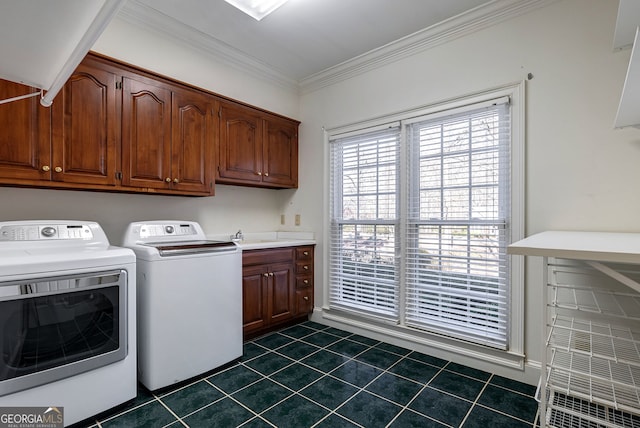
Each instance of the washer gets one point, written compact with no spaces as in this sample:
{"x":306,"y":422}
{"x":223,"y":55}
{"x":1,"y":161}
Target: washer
{"x":67,"y":318}
{"x":189,"y":301}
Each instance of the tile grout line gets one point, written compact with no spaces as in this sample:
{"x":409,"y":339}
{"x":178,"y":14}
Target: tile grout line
{"x":403,"y":354}
{"x":473,"y":404}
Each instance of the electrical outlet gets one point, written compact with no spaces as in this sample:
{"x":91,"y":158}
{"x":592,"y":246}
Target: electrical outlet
{"x":297,"y":219}
{"x":282,"y":219}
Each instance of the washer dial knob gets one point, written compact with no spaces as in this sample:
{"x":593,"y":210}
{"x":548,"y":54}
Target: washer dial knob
{"x":48,"y":231}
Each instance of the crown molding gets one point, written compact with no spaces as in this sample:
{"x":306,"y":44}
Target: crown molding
{"x":143,"y":16}
{"x":461,"y":25}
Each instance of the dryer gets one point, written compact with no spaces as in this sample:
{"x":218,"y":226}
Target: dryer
{"x":67,"y":318}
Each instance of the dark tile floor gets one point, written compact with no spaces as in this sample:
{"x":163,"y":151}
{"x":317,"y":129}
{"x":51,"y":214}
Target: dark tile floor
{"x":311,"y":375}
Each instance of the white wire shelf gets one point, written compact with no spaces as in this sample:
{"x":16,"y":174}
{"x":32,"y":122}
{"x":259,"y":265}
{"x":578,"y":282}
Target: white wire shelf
{"x":596,"y":301}
{"x":615,"y":343}
{"x":570,"y":412}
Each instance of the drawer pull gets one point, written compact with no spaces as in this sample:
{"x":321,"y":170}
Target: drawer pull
{"x":306,"y":253}
{"x":305,"y":267}
{"x":306,"y":298}
{"x":306,"y":282}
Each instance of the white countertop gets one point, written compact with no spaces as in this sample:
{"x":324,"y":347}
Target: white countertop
{"x":598,"y":246}
{"x":260,"y":240}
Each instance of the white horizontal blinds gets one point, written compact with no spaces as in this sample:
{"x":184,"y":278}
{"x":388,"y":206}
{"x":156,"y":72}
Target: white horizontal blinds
{"x":364,"y":223}
{"x":457,"y":227}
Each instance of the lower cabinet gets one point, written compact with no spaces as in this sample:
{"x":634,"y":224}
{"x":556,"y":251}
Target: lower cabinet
{"x":277,"y":288}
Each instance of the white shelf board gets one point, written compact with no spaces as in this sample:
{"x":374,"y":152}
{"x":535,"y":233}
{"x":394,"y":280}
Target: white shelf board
{"x":627,"y":20}
{"x":598,"y":246}
{"x":629,"y":107}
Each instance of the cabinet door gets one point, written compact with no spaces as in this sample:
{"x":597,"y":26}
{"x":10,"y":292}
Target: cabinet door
{"x":146,"y":134}
{"x":192,"y":142}
{"x":85,"y":127}
{"x":280,"y":153}
{"x":281,"y":292}
{"x":25,"y":146}
{"x":254,"y":298}
{"x":240,"y":151}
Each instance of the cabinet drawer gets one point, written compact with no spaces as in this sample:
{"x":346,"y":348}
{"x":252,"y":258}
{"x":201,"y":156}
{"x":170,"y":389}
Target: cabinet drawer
{"x":304,"y":267}
{"x":304,"y":253}
{"x":304,"y":301}
{"x":304,"y":281}
{"x":255,"y":257}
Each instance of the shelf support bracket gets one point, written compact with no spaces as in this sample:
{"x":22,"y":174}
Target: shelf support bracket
{"x":615,"y":275}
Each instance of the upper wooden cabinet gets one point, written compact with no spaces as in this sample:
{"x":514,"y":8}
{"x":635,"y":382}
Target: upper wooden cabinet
{"x":167,"y":137}
{"x":73,"y":142}
{"x":117,"y":128}
{"x":256,"y":149}
{"x":85,"y":132}
{"x":25,"y":135}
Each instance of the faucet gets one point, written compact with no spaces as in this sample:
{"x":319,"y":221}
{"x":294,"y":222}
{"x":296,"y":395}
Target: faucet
{"x":238,"y":236}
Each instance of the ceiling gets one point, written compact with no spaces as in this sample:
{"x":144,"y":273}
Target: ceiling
{"x":302,"y":37}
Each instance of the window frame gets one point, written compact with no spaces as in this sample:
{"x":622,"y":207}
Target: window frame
{"x":514,"y":356}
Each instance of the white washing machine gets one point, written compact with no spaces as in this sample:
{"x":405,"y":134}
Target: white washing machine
{"x":67,"y":318}
{"x":189,"y":301}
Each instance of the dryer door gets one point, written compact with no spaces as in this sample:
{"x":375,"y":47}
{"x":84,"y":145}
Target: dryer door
{"x":57,"y":327}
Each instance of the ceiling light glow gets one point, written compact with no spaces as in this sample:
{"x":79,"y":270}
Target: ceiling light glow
{"x":257,"y":9}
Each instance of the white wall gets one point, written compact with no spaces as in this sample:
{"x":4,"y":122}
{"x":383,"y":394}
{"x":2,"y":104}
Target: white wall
{"x":232,"y":208}
{"x":581,"y":174}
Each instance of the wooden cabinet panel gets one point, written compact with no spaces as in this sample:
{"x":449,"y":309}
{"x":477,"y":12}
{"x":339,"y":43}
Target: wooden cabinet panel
{"x":254,"y":313}
{"x":25,"y":146}
{"x":280,"y":153}
{"x":192,"y":142}
{"x":304,"y":301}
{"x":257,"y":149}
{"x":274,"y":293}
{"x":85,"y":128}
{"x":146,"y":134}
{"x":281,"y":292}
{"x":240,"y":153}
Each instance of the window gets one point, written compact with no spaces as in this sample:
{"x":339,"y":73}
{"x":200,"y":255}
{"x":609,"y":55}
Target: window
{"x":364,"y":225}
{"x":420,"y":218}
{"x":458,"y":219}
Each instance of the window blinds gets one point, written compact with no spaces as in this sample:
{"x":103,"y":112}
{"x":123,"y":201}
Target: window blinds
{"x":420,"y":222}
{"x":363,"y":271}
{"x":457,"y":226}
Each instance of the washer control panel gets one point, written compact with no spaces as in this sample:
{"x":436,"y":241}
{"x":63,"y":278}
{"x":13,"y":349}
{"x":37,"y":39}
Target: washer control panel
{"x":166,"y":229}
{"x":39,"y":232}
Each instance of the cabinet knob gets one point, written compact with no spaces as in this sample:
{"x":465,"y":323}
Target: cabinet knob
{"x":258,"y":173}
{"x":265,"y":275}
{"x":175,"y":180}
{"x":45,"y":168}
{"x":305,"y":267}
{"x":306,"y":281}
{"x":270,"y":273}
{"x":306,"y":253}
{"x":266,"y":174}
{"x":168,"y":179}
{"x":57,"y":169}
{"x":306,"y":298}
